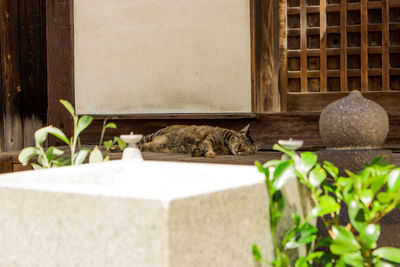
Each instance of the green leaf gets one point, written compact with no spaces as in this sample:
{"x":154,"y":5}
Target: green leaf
{"x":108,"y":144}
{"x":380,"y":263}
{"x":343,"y":242}
{"x":256,"y":253}
{"x":272,"y":163}
{"x":296,"y":219}
{"x":58,"y":133}
{"x":96,"y":155}
{"x":356,"y":215}
{"x":388,"y":253}
{"x":307,"y":161}
{"x":385,"y":197}
{"x":26,"y":154}
{"x":81,"y":156}
{"x":83,"y":123}
{"x":121,"y":144}
{"x":110,"y":125}
{"x":278,"y":201}
{"x":53,"y":153}
{"x":301,"y":262}
{"x":331,"y":169}
{"x":326,"y":205}
{"x":369,"y":236}
{"x":393,"y":181}
{"x":354,"y":259}
{"x":299,"y":236}
{"x":68,"y":106}
{"x":284,"y":150}
{"x":261,"y":168}
{"x":107,"y":158}
{"x":41,"y":135}
{"x":367,"y":196}
{"x":317,"y":176}
{"x":36,"y":166}
{"x":283,"y":172}
{"x":62,"y":162}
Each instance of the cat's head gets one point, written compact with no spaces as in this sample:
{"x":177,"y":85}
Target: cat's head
{"x":241,"y":143}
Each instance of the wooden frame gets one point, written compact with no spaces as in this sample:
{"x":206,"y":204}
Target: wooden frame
{"x":265,"y":94}
{"x":270,"y":94}
{"x":356,"y":50}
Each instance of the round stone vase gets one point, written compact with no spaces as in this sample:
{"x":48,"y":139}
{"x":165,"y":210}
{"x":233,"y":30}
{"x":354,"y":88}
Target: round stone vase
{"x":353,"y":130}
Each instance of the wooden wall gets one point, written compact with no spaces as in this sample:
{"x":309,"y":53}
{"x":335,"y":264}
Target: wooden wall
{"x":23,"y":90}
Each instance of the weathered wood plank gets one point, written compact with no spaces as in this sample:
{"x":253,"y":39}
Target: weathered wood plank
{"x":385,"y":46}
{"x":343,"y":45}
{"x":323,"y":42}
{"x":33,"y":67}
{"x":267,"y":95}
{"x":364,"y":45}
{"x":283,"y":54}
{"x":11,"y":85}
{"x":60,"y":62}
{"x":303,"y":46}
{"x":316,"y":102}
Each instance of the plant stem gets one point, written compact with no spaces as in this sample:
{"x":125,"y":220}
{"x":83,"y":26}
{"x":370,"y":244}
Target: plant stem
{"x":102,"y":132}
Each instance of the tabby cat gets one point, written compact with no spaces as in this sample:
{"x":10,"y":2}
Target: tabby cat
{"x":200,"y":141}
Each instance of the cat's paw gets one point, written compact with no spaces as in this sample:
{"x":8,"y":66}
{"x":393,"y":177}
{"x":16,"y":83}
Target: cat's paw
{"x":210,"y":154}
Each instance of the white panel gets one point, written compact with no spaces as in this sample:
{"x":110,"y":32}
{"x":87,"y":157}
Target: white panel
{"x":162,"y":56}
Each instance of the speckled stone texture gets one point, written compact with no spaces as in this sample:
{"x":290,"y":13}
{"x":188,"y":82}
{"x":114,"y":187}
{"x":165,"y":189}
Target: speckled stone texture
{"x":354,"y":122}
{"x":150,"y":214}
{"x":353,"y":130}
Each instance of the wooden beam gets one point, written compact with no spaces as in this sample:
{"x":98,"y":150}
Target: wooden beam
{"x":343,"y":45}
{"x":315,"y":102}
{"x":323,"y":42}
{"x":303,"y":46}
{"x":60,"y":62}
{"x":11,"y":85}
{"x":385,"y":46}
{"x":364,"y":45}
{"x":33,"y":67}
{"x":268,"y":97}
{"x":283,"y":53}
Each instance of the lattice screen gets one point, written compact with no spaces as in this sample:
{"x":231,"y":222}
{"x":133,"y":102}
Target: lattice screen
{"x":343,"y":45}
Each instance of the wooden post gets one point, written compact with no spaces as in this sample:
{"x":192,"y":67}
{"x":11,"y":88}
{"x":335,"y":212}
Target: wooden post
{"x":268,"y":97}
{"x":303,"y":46}
{"x":283,"y":80}
{"x":33,"y":67}
{"x":364,"y":45}
{"x":323,"y":56}
{"x":11,"y":86}
{"x":343,"y":45}
{"x":60,"y":63}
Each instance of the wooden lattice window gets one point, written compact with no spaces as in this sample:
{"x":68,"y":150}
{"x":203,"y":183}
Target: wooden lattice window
{"x":339,"y":46}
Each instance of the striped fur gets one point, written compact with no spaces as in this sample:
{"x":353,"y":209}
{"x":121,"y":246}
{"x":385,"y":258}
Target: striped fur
{"x":200,"y":141}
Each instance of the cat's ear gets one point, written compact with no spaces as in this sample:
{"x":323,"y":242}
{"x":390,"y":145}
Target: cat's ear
{"x":258,"y":145}
{"x":245,"y":130}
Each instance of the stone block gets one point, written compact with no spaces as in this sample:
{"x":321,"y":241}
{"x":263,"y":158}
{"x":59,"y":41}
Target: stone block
{"x":136,"y":214}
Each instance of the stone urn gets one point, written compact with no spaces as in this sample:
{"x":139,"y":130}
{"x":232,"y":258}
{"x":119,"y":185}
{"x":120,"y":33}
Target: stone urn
{"x":353,"y":130}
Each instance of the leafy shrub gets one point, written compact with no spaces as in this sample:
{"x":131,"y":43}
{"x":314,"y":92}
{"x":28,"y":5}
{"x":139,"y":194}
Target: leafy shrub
{"x":369,"y":195}
{"x":52,"y":157}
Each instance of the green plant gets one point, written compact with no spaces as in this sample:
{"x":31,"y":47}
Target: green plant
{"x":52,"y":157}
{"x":116,"y":140}
{"x":369,"y":195}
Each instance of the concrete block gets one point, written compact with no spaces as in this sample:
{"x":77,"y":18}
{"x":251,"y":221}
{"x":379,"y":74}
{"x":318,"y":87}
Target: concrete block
{"x":135,"y":214}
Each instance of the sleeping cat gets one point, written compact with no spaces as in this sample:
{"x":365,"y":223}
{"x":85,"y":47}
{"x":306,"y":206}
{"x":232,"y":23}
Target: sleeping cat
{"x":200,"y":141}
